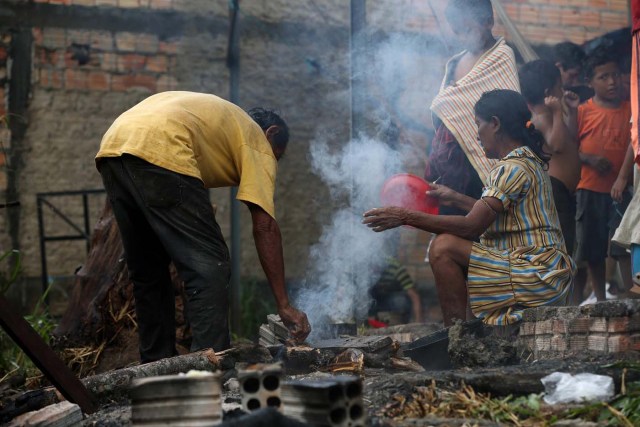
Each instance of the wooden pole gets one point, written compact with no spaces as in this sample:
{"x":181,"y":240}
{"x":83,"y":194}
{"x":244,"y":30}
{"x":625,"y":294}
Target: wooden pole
{"x":44,"y":358}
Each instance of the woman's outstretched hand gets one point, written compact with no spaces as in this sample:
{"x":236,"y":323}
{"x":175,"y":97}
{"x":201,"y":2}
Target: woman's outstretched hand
{"x":380,"y":219}
{"x":444,"y":194}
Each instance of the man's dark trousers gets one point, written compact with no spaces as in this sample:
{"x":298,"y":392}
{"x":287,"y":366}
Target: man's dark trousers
{"x":164,"y":216}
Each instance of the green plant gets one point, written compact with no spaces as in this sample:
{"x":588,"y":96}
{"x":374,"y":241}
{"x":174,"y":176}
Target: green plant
{"x":12,"y":358}
{"x":256,"y":302}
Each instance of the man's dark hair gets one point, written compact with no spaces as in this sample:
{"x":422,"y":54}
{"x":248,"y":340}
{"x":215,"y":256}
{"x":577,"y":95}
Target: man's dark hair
{"x":598,"y":57}
{"x":569,"y":55}
{"x":535,"y":78}
{"x":267,"y":118}
{"x":480,"y":11}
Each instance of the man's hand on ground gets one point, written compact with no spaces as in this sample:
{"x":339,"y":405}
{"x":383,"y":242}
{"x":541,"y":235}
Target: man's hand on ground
{"x":296,"y":321}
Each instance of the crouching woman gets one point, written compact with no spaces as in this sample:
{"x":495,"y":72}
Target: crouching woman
{"x":520,"y":260}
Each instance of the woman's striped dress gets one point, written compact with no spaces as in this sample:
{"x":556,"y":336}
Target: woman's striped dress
{"x":521,"y":260}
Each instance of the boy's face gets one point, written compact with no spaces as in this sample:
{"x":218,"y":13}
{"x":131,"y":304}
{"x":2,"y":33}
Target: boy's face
{"x":470,"y":33}
{"x":556,"y":90}
{"x":570,"y":76}
{"x":606,"y":81}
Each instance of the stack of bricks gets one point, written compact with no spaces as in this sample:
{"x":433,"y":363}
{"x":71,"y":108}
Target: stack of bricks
{"x":610,"y":327}
{"x":99,"y":60}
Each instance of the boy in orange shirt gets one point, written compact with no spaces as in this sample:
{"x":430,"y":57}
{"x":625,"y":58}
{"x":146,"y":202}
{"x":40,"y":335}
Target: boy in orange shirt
{"x":603,"y":132}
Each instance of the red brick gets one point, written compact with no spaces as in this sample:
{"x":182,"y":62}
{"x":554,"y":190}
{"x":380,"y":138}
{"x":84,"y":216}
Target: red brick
{"x":543,"y":343}
{"x":544,"y":327}
{"x":578,"y":343}
{"x":621,"y":5}
{"x":125,"y":82}
{"x":572,"y":17}
{"x":126,"y":42}
{"x":78,"y":36}
{"x":102,"y":40}
{"x":37,"y":36}
{"x":618,"y":324}
{"x":75,"y":79}
{"x":168,"y":46}
{"x":560,"y":326}
{"x":160,"y":4}
{"x":613,"y":20}
{"x":131,"y":62}
{"x":597,"y":343}
{"x":579,"y":325}
{"x":54,"y":37}
{"x":157,"y":64}
{"x":550,"y":15}
{"x":559,"y":344}
{"x":108,"y":61}
{"x":99,"y":80}
{"x":50,"y":78}
{"x":56,"y":79}
{"x":44,"y":78}
{"x":129,"y":3}
{"x":147,"y":43}
{"x":619,"y":343}
{"x":529,"y":14}
{"x":598,"y":324}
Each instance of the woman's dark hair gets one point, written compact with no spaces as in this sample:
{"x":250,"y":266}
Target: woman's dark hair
{"x":536,"y":77}
{"x":514,"y":115}
{"x":267,"y":118}
{"x":479,"y":11}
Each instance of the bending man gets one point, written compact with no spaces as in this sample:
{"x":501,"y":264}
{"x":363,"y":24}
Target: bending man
{"x":157,"y":161}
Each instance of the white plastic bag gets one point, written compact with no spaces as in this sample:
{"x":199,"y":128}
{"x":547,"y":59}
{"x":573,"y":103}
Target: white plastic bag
{"x":561,"y":387}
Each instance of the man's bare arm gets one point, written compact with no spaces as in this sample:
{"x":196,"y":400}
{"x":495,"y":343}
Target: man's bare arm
{"x":268,"y":240}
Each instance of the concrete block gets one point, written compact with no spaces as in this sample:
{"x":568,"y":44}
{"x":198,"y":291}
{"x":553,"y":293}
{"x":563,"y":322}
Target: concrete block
{"x":260,"y":386}
{"x":176,"y":400}
{"x":335,"y":401}
{"x":61,"y":414}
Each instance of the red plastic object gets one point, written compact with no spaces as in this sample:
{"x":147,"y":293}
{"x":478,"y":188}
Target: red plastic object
{"x":408,"y":191}
{"x":376,"y":323}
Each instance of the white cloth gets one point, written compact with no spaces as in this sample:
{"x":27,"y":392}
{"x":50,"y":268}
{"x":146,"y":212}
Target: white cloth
{"x":628,"y":232}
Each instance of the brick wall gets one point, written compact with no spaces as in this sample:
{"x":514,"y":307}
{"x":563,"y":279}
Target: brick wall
{"x":94,"y":59}
{"x":539,"y":21}
{"x":87,"y":71}
{"x":558,"y":332}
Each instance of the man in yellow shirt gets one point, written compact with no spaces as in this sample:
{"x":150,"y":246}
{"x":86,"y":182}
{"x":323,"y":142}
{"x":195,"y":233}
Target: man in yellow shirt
{"x":157,"y":161}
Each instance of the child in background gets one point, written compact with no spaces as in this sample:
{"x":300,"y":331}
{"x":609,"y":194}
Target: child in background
{"x":603,"y":133}
{"x":554,"y":113}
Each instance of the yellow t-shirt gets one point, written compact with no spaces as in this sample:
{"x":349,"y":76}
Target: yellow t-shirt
{"x":199,"y":135}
